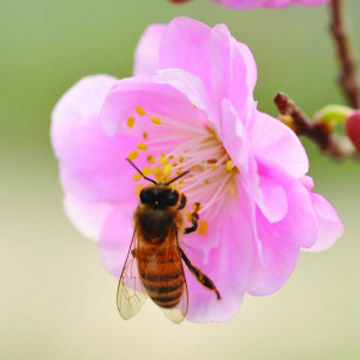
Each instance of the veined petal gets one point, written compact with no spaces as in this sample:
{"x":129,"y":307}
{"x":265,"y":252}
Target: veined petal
{"x":225,"y":66}
{"x":278,"y":260}
{"x":228,"y":264}
{"x":115,"y":237}
{"x":147,"y":51}
{"x":91,"y":162}
{"x":160,"y":99}
{"x":89,"y":218}
{"x":330,"y":226}
{"x":274,"y":143}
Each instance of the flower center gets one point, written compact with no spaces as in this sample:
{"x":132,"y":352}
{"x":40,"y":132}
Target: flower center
{"x":180,"y":147}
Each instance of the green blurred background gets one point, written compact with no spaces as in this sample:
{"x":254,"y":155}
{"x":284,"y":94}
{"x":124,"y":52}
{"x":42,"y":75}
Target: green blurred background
{"x":57,"y":301}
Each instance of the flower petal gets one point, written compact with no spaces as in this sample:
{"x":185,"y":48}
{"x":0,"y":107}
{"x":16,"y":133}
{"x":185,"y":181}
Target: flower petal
{"x":274,"y":143}
{"x":147,"y":51}
{"x":91,"y":163}
{"x":88,"y":218}
{"x":278,"y":260}
{"x":228,"y":264}
{"x":330,"y":226}
{"x":115,"y":237}
{"x":160,"y":99}
{"x":226,"y":67}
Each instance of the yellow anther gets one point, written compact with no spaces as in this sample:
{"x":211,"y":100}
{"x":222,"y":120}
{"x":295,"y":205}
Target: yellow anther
{"x":179,"y":171}
{"x":145,"y":135}
{"x":133,"y":155}
{"x":196,"y":207}
{"x":194,"y":106}
{"x":229,"y":165}
{"x":146,"y":171}
{"x":150,"y":159}
{"x":175,"y":164}
{"x":163,"y":160}
{"x":138,"y":189}
{"x":181,"y":159}
{"x":140,"y":110}
{"x":188,"y":215}
{"x":203,"y":227}
{"x":156,"y":120}
{"x":171,"y":157}
{"x":136,"y":177}
{"x":181,"y":181}
{"x":206,"y":181}
{"x":213,"y":168}
{"x":130,"y":122}
{"x":142,"y":146}
{"x":158,"y":173}
{"x":167,"y":170}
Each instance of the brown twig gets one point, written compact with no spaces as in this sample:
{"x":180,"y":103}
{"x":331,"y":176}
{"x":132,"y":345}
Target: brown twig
{"x":320,"y":133}
{"x":347,"y":78}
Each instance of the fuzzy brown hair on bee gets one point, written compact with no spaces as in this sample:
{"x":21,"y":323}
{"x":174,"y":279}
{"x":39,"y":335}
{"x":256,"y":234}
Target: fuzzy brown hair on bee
{"x":153,"y":267}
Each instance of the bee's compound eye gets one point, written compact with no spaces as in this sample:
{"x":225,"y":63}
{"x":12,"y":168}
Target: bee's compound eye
{"x":171,"y":198}
{"x":147,"y":196}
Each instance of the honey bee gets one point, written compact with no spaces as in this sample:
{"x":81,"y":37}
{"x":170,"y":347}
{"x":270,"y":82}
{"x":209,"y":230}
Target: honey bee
{"x":153,"y":267}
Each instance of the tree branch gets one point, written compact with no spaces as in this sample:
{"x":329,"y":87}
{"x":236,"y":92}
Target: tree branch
{"x":347,"y":77}
{"x":320,"y":133}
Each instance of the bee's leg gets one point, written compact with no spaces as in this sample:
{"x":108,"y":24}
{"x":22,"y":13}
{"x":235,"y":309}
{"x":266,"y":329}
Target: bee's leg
{"x":194,"y":220}
{"x":202,"y":278}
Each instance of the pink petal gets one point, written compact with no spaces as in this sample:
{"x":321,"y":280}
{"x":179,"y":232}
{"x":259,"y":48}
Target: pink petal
{"x":227,"y":264}
{"x":330,"y":226}
{"x":271,"y":199}
{"x":147,"y":51}
{"x":299,"y":226}
{"x":274,"y":143}
{"x":115,"y":237}
{"x":160,"y":99}
{"x":88,"y":218}
{"x":278,"y":260}
{"x":92,"y":164}
{"x":225,"y":66}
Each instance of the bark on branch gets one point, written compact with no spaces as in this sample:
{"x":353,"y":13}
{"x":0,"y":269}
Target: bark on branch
{"x":347,"y":77}
{"x":320,"y":133}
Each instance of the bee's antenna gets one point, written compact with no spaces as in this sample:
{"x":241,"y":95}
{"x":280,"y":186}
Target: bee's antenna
{"x":140,"y":172}
{"x":178,"y":177}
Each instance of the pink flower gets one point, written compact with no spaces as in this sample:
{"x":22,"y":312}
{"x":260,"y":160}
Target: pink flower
{"x":190,"y":106}
{"x":248,"y":4}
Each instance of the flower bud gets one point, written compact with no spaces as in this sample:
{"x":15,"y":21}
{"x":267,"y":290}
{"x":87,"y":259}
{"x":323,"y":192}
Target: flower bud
{"x":353,"y":128}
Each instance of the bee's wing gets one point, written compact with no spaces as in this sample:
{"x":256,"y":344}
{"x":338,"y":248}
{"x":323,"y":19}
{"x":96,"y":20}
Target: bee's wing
{"x":131,"y":295}
{"x":178,"y":313}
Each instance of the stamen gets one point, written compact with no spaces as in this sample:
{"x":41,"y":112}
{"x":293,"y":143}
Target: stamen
{"x":145,"y":135}
{"x":140,"y":110}
{"x":133,"y":155}
{"x":229,"y":165}
{"x":136,"y":177}
{"x":155,"y":120}
{"x":167,"y":170}
{"x":130,"y":122}
{"x":203,"y":227}
{"x":207,"y":181}
{"x":146,"y":171}
{"x":163,"y":160}
{"x":142,"y":146}
{"x":150,"y":159}
{"x":213,"y":168}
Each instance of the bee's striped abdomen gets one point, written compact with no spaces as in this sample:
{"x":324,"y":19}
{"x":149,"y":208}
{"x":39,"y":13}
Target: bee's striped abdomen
{"x":162,"y":277}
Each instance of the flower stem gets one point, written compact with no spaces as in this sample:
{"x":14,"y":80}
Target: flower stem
{"x":347,"y":78}
{"x":318,"y":132}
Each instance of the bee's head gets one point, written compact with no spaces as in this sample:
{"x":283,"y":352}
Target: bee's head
{"x":159,"y":196}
